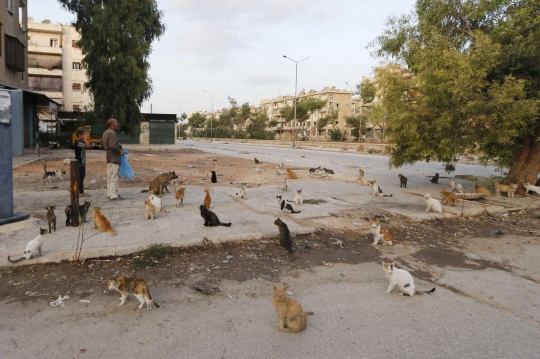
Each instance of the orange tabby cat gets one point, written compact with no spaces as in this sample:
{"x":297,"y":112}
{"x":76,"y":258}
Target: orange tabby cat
{"x":180,"y":191}
{"x":481,"y":189}
{"x":291,"y":316}
{"x":101,"y":222}
{"x":134,"y":286}
{"x":207,"y":200}
{"x":291,"y":174}
{"x":449,"y":197}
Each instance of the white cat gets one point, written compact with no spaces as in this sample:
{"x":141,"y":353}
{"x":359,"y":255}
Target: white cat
{"x":156,"y":201}
{"x":432,"y":204}
{"x":281,"y":167}
{"x":285,"y":185}
{"x":243,"y":191}
{"x":298,"y":198}
{"x":456,"y":187}
{"x":529,"y":187}
{"x":278,"y":170}
{"x":374,"y":187}
{"x":33,"y":248}
{"x":402,"y":279}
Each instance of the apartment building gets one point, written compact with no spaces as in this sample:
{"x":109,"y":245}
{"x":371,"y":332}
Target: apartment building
{"x":13,"y":44}
{"x":54,"y":64}
{"x":337,"y":100}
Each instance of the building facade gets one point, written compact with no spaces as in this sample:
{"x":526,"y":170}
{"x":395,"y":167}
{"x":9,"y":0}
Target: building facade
{"x":13,"y":43}
{"x":337,"y":101}
{"x":54,"y":64}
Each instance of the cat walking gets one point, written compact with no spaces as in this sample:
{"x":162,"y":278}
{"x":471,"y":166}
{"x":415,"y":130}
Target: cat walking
{"x":136,"y":287}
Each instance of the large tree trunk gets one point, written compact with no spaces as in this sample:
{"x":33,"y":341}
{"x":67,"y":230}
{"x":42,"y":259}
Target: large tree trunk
{"x":527,"y":165}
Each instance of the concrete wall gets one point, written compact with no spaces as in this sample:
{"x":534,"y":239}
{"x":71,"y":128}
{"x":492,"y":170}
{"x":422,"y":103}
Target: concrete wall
{"x":10,"y":26}
{"x":17,"y":122}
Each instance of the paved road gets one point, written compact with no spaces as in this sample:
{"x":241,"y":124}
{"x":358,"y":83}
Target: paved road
{"x":374,"y":166}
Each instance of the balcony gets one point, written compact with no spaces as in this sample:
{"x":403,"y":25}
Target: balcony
{"x":33,"y":48}
{"x":44,"y":72}
{"x":55,"y":95}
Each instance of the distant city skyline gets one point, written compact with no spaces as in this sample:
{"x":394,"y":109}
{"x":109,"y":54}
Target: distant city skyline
{"x":236,"y":47}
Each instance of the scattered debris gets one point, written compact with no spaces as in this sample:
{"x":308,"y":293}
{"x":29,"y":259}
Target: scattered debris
{"x":229,"y":257}
{"x":328,"y":264}
{"x":206,"y":290}
{"x":289,"y":293}
{"x":496,"y":232}
{"x":59,"y":301}
{"x":357,"y":223}
{"x":85,"y":301}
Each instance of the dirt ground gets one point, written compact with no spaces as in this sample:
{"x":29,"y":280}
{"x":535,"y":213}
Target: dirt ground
{"x":191,"y":165}
{"x":441,"y":243}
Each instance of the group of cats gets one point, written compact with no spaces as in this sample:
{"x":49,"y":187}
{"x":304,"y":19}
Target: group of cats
{"x":291,"y":316}
{"x":34,"y":248}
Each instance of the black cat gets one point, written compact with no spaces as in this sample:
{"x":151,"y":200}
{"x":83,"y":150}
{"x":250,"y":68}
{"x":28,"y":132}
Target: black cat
{"x":402,"y":181}
{"x":435,"y":179}
{"x":257,"y":162}
{"x":210,"y":218}
{"x":214,"y":177}
{"x":285,"y":239}
{"x":82,"y":213}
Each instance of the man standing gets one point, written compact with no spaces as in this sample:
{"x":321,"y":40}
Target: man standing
{"x":110,"y":142}
{"x":81,"y":144}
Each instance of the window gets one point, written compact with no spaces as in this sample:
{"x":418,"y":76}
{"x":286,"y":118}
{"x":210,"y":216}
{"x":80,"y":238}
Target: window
{"x":347,"y":105}
{"x":54,"y":42}
{"x":76,"y":107}
{"x":15,"y":54}
{"x":337,"y":104}
{"x":330,"y":97}
{"x":28,"y":38}
{"x":76,"y":86}
{"x":76,"y":66}
{"x":10,"y":6}
{"x":74,"y":44}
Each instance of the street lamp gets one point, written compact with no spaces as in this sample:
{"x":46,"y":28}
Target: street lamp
{"x":212,"y":118}
{"x":295,"y":87}
{"x":346,"y":83}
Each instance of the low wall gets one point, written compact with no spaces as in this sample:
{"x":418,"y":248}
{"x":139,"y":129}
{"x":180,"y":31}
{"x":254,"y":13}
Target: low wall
{"x":360,"y":147}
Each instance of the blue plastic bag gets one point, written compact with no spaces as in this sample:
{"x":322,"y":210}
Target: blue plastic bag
{"x":125,"y":170}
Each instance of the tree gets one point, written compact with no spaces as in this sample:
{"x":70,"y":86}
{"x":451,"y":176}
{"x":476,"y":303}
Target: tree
{"x":116,"y":38}
{"x":304,"y":108}
{"x":183,"y":117}
{"x":355,"y":122}
{"x":196,"y":120}
{"x":475,"y":87}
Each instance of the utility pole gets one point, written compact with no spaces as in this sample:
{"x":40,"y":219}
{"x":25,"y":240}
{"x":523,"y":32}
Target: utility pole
{"x":295,"y":87}
{"x":212,"y":117}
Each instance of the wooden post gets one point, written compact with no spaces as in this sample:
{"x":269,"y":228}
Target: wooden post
{"x":74,"y":190}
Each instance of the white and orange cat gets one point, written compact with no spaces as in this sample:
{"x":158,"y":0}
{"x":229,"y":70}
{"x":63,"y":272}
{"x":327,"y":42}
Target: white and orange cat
{"x":381,"y":234}
{"x":101,"y":222}
{"x":292,"y":317}
{"x":136,"y":287}
{"x":156,"y":201}
{"x":150,"y":210}
{"x":402,"y":279}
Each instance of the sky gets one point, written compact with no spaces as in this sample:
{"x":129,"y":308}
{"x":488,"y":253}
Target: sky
{"x":235,"y":47}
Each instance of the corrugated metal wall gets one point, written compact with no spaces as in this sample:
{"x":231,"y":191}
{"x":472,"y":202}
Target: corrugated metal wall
{"x":162,"y":133}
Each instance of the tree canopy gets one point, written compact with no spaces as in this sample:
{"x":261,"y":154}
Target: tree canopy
{"x":463,"y":77}
{"x":116,"y":38}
